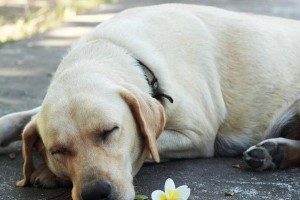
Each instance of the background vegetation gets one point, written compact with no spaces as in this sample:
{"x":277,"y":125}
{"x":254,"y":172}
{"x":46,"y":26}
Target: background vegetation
{"x":20,"y":19}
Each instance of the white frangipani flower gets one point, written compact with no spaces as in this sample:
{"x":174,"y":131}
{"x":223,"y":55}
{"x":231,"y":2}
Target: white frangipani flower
{"x":172,"y":193}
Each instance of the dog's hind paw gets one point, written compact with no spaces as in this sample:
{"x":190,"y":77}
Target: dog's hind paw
{"x":265,"y":155}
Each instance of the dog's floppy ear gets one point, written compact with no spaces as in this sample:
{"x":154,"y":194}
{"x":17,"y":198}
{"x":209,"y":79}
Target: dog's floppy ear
{"x":149,"y":114}
{"x":30,"y":137}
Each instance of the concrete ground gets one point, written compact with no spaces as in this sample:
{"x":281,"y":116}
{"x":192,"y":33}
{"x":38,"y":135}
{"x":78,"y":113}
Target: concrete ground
{"x":26,"y":68}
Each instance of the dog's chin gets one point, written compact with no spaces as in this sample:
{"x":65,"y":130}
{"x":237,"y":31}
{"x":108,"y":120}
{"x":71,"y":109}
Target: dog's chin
{"x":114,"y":196}
{"x":123,"y":193}
{"x":118,"y":193}
{"x":122,"y":197}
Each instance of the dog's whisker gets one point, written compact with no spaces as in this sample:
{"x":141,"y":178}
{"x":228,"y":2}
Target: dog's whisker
{"x":64,"y":194}
{"x":68,"y":197}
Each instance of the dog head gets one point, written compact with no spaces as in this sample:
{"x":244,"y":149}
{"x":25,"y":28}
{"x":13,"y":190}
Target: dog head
{"x":97,"y":136}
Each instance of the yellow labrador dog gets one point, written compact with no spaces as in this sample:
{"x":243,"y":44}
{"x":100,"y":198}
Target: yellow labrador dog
{"x":171,"y":81}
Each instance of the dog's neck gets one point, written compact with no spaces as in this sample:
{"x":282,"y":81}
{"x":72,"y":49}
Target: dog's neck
{"x":153,"y":83}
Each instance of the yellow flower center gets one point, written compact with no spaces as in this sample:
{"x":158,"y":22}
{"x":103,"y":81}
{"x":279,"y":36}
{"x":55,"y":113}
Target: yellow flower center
{"x":173,"y":194}
{"x":162,"y":197}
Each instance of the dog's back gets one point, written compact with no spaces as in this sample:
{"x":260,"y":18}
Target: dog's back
{"x":230,"y":72}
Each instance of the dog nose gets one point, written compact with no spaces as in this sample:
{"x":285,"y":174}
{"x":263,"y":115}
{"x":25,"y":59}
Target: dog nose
{"x":97,"y":191}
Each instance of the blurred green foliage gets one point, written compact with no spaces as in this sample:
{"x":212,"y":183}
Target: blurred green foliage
{"x":36,"y":16}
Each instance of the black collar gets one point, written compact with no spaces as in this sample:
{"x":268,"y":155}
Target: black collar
{"x":153,"y":83}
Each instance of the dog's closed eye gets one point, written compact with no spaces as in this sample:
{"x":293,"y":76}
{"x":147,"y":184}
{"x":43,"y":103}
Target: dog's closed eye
{"x":60,"y":151}
{"x":105,"y":134}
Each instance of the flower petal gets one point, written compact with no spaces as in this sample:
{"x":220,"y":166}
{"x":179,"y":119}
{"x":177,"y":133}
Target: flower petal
{"x":169,"y":188}
{"x":158,"y":195}
{"x":184,"y":192}
{"x":169,"y":184}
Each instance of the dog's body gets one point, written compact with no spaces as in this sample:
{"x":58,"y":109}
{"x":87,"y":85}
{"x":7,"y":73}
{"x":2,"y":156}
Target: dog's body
{"x":234,"y":79}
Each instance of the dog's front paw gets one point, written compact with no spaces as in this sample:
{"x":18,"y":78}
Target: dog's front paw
{"x":265,"y":155}
{"x":44,"y":178}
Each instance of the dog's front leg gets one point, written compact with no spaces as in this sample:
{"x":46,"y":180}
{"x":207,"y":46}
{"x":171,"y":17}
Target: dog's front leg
{"x":12,"y":125}
{"x":176,"y":144}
